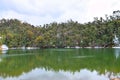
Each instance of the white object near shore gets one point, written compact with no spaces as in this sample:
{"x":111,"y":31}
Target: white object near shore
{"x":4,"y":47}
{"x":116,"y":41}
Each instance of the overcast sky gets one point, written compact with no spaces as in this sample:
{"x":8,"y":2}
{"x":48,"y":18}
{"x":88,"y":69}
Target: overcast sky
{"x":39,"y":12}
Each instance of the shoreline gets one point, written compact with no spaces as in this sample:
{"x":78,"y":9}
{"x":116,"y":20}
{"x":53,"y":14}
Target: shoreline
{"x":68,"y":47}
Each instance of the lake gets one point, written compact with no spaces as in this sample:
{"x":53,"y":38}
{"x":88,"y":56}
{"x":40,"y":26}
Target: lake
{"x":60,"y":64}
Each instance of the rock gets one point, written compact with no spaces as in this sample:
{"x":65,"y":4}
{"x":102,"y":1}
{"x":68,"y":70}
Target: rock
{"x":115,"y":79}
{"x":3,"y":47}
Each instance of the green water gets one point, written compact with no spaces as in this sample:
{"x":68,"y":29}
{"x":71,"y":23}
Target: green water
{"x":60,"y":64}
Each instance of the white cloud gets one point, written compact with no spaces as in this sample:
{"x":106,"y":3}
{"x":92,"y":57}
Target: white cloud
{"x":98,"y":8}
{"x":45,"y":11}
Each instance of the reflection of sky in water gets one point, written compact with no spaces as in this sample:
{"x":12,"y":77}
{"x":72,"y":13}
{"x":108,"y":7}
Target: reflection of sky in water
{"x":42,"y":74}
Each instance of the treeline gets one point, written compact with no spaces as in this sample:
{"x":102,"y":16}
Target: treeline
{"x":100,"y":32}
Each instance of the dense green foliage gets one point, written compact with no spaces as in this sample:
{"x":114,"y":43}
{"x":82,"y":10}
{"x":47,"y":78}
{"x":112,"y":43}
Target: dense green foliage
{"x":100,"y":32}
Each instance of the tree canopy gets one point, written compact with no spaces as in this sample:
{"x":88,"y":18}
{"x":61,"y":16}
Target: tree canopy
{"x":100,"y":32}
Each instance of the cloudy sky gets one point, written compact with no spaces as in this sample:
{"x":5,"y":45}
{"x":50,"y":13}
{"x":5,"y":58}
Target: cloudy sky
{"x":39,"y":12}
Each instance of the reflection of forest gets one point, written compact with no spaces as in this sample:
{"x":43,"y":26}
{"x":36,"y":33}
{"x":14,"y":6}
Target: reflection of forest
{"x":102,"y":60}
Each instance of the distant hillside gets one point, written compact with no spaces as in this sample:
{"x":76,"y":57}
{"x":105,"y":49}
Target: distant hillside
{"x":100,"y":32}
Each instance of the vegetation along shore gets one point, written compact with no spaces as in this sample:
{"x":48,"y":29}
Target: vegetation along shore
{"x":99,"y":32}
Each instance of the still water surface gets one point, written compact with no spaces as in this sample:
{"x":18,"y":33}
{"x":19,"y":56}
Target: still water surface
{"x":60,"y":64}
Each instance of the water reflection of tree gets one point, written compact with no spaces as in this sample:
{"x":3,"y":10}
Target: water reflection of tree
{"x":60,"y":59}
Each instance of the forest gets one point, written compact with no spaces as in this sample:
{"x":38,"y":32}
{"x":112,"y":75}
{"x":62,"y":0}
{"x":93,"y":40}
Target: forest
{"x":100,"y":32}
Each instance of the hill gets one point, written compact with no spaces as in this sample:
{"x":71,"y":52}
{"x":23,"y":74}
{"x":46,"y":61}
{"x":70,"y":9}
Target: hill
{"x":100,"y":32}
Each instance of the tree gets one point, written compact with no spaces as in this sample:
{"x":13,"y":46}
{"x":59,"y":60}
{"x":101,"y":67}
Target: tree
{"x":39,"y":41}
